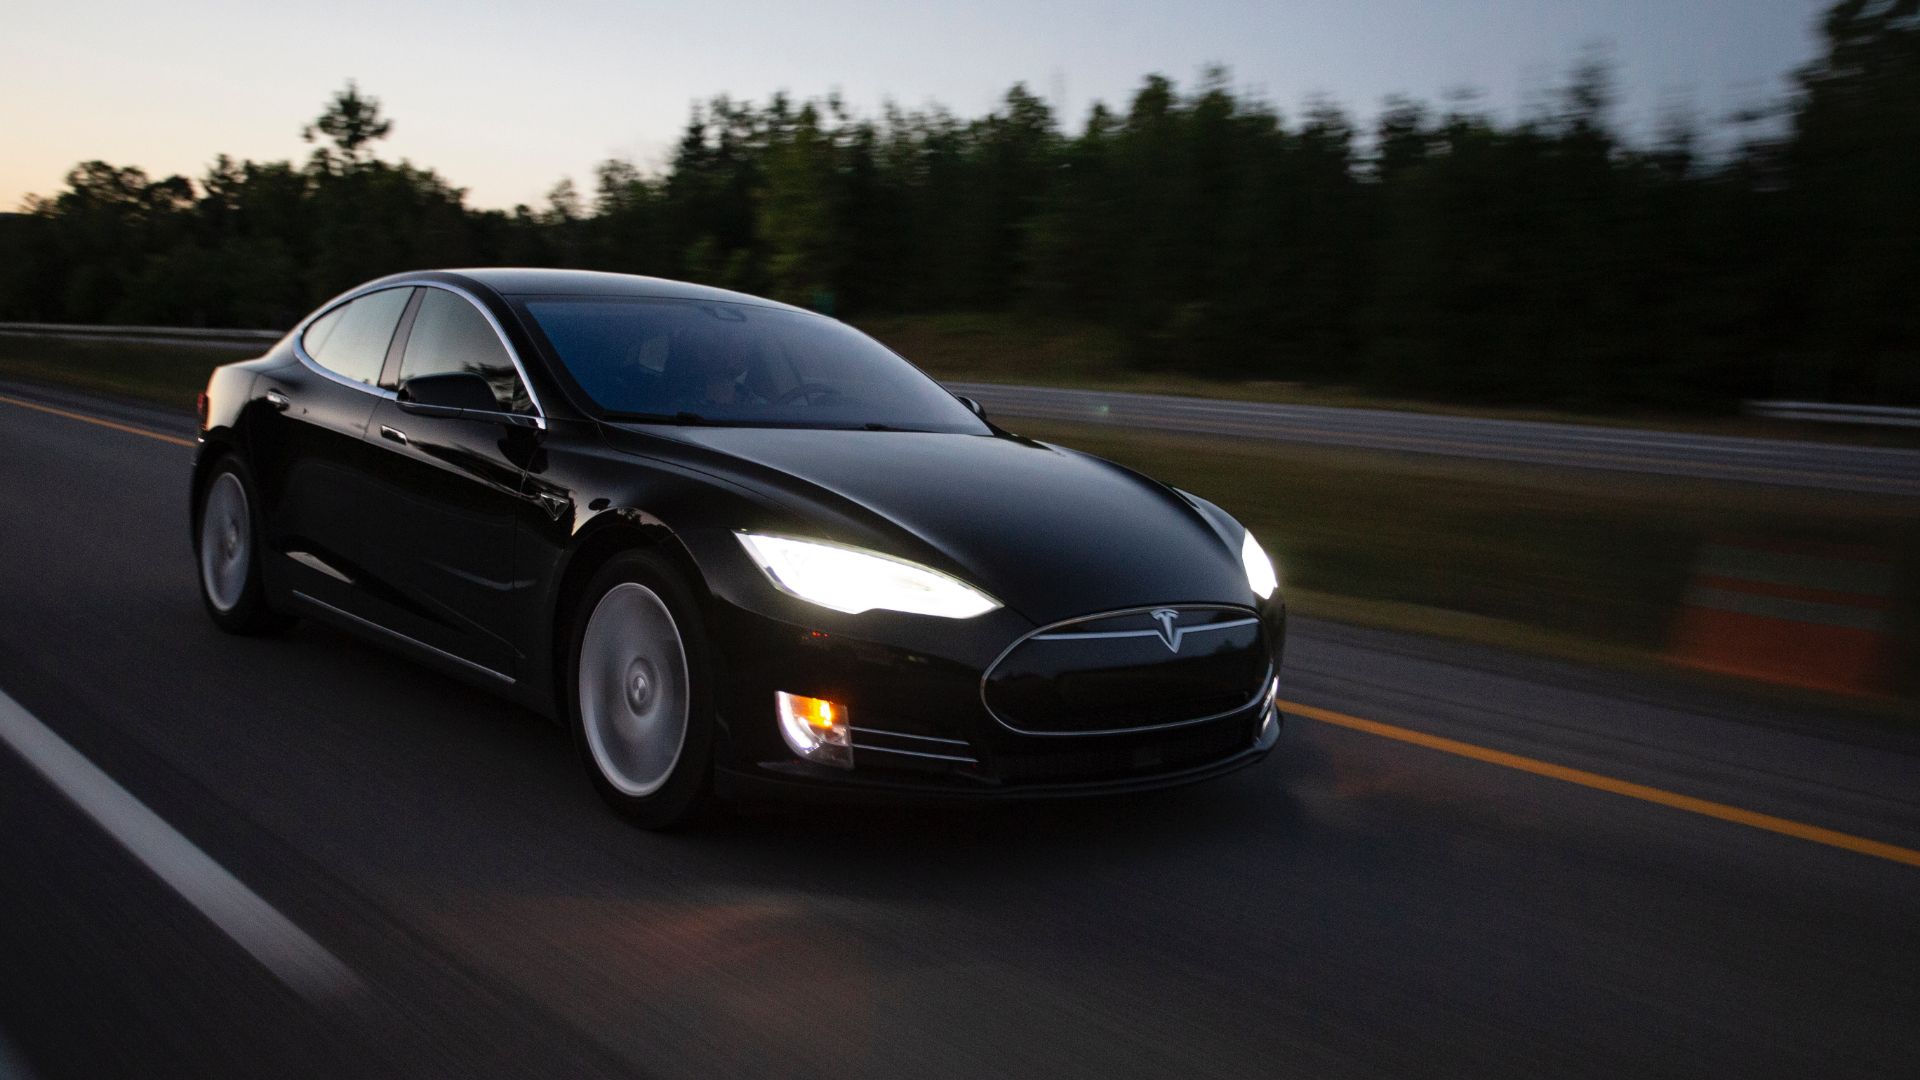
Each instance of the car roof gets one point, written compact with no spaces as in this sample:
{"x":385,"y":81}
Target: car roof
{"x":533,"y":281}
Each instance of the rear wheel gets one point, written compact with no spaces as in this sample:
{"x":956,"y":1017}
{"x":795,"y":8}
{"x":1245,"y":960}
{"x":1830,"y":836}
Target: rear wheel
{"x":228,"y":542}
{"x":640,"y":693}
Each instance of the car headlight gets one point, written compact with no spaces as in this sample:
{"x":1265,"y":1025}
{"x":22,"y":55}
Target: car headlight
{"x":851,"y":580}
{"x":1260,"y":572}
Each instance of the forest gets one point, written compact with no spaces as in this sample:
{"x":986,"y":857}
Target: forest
{"x":1441,"y":254}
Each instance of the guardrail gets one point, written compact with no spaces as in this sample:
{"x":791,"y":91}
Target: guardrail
{"x":155,"y":335}
{"x":1838,"y":467}
{"x":1821,"y":412}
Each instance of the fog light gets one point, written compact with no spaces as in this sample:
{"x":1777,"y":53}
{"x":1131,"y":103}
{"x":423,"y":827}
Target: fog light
{"x":815,"y":728}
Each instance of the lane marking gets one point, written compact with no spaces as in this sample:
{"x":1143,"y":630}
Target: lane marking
{"x":1674,"y":800}
{"x":85,"y":419}
{"x":272,"y":939}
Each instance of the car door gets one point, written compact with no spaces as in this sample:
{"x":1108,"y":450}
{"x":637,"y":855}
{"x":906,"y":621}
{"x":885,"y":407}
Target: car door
{"x":451,"y":493}
{"x":307,"y":447}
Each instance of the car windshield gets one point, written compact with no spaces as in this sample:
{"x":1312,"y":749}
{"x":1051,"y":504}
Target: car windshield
{"x":702,"y":361}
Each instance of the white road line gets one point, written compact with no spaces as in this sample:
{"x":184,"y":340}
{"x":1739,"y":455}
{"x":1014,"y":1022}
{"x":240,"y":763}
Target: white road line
{"x":280,"y":946}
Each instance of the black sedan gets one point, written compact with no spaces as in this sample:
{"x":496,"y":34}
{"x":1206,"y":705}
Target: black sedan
{"x":740,"y":549}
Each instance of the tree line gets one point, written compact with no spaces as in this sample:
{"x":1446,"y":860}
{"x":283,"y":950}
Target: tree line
{"x":1444,"y":254}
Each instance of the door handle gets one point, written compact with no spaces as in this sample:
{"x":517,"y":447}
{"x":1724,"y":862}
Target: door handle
{"x":278,"y":400}
{"x":393,"y":434}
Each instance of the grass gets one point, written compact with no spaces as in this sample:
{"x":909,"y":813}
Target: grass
{"x":1580,"y":565}
{"x":165,"y":374}
{"x":1570,"y":563}
{"x":1010,"y":348}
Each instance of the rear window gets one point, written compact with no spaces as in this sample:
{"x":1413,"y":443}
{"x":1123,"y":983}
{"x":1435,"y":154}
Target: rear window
{"x":352,"y":340}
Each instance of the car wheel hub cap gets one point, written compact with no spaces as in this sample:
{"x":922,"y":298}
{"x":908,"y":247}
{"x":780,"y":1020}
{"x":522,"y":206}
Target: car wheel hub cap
{"x":225,"y":547}
{"x":633,"y":689}
{"x":639,"y":687}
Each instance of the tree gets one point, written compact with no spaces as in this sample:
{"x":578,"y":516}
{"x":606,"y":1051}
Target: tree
{"x":351,"y":122}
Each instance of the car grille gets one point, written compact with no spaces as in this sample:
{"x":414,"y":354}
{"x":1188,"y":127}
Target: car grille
{"x":1130,"y":670}
{"x":1172,"y":751}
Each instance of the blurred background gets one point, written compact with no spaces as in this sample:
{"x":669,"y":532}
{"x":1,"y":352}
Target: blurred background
{"x":1645,"y":215}
{"x":1565,"y":354}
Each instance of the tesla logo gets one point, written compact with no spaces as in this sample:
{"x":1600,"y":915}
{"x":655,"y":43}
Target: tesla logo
{"x":1170,"y":631}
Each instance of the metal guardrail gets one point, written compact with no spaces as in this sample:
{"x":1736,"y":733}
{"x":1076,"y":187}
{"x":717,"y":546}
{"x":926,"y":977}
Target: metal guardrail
{"x":1878,"y":470}
{"x":1822,"y":412}
{"x":154,"y":335}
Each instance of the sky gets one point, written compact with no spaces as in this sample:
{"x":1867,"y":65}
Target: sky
{"x":505,"y":99}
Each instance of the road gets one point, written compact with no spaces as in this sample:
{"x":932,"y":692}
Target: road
{"x":1360,"y":905}
{"x":1831,"y":466}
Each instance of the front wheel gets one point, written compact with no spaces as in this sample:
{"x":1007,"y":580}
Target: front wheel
{"x":640,"y":696}
{"x":228,"y":543}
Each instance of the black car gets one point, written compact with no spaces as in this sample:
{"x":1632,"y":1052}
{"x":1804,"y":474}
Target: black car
{"x":738,"y":547}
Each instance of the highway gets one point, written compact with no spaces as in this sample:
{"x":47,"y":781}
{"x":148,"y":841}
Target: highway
{"x":1831,"y":466}
{"x":1459,"y":862}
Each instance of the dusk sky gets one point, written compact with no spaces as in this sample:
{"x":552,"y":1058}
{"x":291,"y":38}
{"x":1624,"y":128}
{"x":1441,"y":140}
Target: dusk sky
{"x":507,"y":99}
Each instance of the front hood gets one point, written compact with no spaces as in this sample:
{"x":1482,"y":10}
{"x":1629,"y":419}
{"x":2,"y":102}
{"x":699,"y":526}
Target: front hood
{"x":1049,"y":532}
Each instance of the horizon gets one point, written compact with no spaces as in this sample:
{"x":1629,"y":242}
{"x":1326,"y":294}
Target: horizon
{"x":509,"y":142}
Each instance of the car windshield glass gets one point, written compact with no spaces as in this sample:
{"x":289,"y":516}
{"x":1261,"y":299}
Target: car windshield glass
{"x":700,"y":361}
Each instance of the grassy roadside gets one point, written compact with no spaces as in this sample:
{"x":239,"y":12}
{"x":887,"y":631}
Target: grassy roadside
{"x":1010,"y":348}
{"x":165,"y":374}
{"x":1578,"y":565}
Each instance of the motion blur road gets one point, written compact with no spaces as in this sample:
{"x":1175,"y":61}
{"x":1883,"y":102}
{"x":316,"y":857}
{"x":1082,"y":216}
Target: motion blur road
{"x":1831,"y":466}
{"x":1360,"y":905}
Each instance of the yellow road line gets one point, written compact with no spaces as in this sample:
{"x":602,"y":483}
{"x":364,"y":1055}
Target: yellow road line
{"x":85,"y":419}
{"x":1706,"y":807}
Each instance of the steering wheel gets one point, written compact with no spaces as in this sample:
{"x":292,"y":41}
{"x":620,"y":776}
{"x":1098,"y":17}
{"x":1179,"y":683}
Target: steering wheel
{"x":808,"y":390}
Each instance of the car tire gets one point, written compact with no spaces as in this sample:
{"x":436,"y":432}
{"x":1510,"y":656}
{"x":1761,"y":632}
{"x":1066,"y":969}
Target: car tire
{"x":228,"y":549}
{"x":639,"y":691}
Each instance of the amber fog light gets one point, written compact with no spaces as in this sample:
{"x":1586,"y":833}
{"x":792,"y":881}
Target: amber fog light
{"x":815,"y":728}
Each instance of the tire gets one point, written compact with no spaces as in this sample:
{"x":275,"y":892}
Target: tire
{"x":227,"y":551}
{"x":639,"y":690}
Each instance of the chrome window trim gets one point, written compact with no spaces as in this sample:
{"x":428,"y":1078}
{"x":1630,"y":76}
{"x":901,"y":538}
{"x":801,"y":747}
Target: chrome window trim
{"x":1037,"y":632}
{"x":500,"y":332}
{"x":307,"y":359}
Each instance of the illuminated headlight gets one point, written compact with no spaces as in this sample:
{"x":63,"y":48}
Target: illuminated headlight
{"x":1260,"y":573}
{"x":815,"y":728}
{"x":851,"y":580}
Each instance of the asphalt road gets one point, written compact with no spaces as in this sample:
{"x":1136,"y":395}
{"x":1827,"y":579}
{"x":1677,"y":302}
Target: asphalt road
{"x":1358,"y":906}
{"x":1831,"y":466}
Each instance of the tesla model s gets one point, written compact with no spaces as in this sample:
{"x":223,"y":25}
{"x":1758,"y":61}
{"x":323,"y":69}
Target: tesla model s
{"x":739,"y":549}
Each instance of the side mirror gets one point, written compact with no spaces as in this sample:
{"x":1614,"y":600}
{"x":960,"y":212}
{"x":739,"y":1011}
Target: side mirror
{"x":450,"y":394}
{"x":972,"y":406}
{"x":459,"y":395}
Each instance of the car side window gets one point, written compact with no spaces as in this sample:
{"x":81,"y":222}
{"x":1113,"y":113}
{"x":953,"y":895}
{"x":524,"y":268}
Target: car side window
{"x":449,"y":334}
{"x":352,"y":340}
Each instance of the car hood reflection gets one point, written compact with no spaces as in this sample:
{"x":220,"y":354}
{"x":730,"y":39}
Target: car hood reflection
{"x":1052,"y":532}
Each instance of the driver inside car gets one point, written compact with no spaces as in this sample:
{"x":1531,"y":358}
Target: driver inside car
{"x":724,"y":362}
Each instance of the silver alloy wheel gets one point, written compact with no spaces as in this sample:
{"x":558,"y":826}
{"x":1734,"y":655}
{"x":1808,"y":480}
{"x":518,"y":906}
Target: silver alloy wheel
{"x":633,"y":689}
{"x":226,"y":542}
